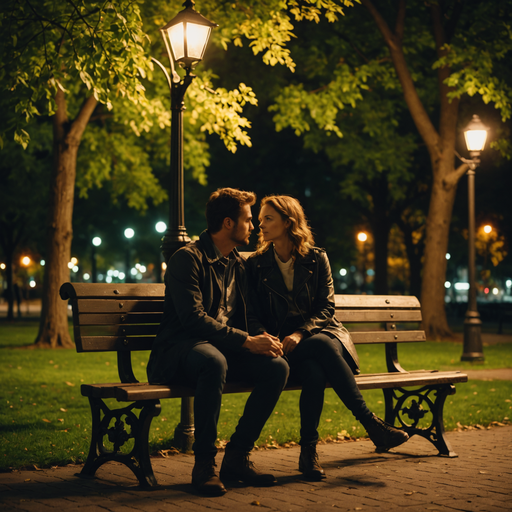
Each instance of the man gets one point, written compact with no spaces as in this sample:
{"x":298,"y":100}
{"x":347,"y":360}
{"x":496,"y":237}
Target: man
{"x":204,"y":339}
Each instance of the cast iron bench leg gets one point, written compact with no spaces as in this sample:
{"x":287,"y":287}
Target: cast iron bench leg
{"x":111,"y":423}
{"x":418,"y":404}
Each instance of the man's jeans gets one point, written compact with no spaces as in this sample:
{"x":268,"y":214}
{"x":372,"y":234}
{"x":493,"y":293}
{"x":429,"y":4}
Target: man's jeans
{"x":206,"y":369}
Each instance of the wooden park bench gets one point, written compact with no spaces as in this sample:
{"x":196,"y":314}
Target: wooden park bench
{"x":125,"y":317}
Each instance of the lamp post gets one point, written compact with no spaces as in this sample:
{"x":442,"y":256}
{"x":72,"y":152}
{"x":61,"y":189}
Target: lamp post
{"x":186,"y":37}
{"x":96,"y":242}
{"x":475,"y":134}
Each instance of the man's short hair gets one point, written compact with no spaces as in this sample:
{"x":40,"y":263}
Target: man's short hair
{"x":226,"y":202}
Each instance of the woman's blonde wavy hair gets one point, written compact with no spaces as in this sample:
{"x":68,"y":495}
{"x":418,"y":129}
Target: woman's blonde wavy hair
{"x":299,"y":231}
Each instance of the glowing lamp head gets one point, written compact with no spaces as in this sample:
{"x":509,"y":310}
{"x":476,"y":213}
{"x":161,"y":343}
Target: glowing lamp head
{"x":475,"y":134}
{"x":487,"y":229}
{"x":362,"y":237}
{"x":186,"y":36}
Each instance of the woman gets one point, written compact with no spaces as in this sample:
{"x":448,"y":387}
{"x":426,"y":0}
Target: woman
{"x":294,"y":298}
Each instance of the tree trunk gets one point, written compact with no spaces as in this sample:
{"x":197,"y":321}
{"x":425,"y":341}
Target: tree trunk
{"x":441,"y":148}
{"x":53,"y":328}
{"x":379,"y":220}
{"x":434,"y":266}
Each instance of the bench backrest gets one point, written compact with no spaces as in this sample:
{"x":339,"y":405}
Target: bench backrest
{"x":125,"y":317}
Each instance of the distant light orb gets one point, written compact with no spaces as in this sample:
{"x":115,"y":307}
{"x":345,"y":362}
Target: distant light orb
{"x":2,"y":266}
{"x":487,"y":229}
{"x":509,"y":283}
{"x":343,"y":271}
{"x":42,"y":263}
{"x":495,"y":291}
{"x":447,"y":284}
{"x":25,"y":261}
{"x":164,"y":266}
{"x":121,"y":275}
{"x":74,"y":260}
{"x":75,"y":269}
{"x":96,"y":241}
{"x":448,"y":255}
{"x":134,"y":271}
{"x":142,"y":269}
{"x":108,"y":279}
{"x":362,"y":236}
{"x":32,"y":284}
{"x":129,"y":232}
{"x":70,"y":265}
{"x":160,"y":226}
{"x":86,"y":277}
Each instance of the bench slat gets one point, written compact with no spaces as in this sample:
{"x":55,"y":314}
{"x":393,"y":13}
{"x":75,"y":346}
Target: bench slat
{"x":376,"y":301}
{"x":369,"y":337}
{"x":117,"y":290}
{"x":144,"y":391}
{"x":114,"y":343}
{"x":120,"y":306}
{"x":376,"y":316}
{"x":119,"y":318}
{"x":119,"y":330}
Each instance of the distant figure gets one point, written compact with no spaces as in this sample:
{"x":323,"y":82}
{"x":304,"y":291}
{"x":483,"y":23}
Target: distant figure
{"x":18,"y":296}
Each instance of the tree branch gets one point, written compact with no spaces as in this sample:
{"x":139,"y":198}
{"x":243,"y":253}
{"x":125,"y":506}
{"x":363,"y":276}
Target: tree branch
{"x":80,"y":122}
{"x":453,"y":178}
{"x":419,"y":114}
{"x":400,"y":21}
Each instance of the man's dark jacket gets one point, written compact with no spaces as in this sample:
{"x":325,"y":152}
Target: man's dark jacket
{"x":193,"y":290}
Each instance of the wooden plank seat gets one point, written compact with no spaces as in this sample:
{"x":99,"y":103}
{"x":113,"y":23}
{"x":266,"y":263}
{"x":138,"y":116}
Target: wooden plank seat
{"x":124,"y":318}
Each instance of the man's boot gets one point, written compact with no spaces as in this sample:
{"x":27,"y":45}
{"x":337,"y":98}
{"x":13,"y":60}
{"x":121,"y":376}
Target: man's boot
{"x":205,"y":479}
{"x":308,"y":463}
{"x":384,"y":435}
{"x":237,"y":466}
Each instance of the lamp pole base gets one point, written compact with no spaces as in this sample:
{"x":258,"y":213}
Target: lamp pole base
{"x":473,"y":350}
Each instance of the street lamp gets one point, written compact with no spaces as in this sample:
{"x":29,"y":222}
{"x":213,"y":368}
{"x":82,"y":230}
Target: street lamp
{"x":186,"y":37}
{"x":475,"y":135}
{"x":96,"y":242}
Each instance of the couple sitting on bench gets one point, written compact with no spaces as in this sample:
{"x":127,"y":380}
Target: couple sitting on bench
{"x":257,"y":321}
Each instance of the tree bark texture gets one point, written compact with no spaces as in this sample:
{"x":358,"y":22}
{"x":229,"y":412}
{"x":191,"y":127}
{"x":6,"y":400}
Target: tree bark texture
{"x":441,"y":147}
{"x":53,"y":328}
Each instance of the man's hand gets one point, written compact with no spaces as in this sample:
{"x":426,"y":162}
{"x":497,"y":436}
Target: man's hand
{"x":290,"y":342}
{"x":264,"y":344}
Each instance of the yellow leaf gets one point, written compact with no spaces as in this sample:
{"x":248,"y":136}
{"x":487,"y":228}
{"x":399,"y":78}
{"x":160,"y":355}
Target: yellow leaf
{"x":69,"y":383}
{"x":63,"y":410}
{"x":46,"y":421}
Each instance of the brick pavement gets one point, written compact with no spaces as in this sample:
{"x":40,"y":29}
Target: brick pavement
{"x":410,"y":478}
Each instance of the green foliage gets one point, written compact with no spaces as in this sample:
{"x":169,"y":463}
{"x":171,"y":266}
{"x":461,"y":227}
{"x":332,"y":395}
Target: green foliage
{"x":48,"y":45}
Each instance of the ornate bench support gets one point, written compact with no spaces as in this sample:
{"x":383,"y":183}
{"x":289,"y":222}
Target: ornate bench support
{"x":419,"y":405}
{"x":112,"y":423}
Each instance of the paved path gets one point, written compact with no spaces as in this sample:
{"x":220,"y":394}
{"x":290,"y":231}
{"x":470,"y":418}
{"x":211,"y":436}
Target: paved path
{"x":411,"y":478}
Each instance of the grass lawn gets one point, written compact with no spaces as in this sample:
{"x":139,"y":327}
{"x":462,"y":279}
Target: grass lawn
{"x":45,"y":421}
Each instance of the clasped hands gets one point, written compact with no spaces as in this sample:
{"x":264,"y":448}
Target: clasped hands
{"x":269,"y":345}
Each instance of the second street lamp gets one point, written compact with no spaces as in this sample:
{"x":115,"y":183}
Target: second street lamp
{"x":475,"y":135}
{"x":186,"y":37}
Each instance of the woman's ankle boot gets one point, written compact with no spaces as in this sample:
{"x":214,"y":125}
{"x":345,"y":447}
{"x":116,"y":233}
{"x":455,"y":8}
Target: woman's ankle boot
{"x":308,"y":463}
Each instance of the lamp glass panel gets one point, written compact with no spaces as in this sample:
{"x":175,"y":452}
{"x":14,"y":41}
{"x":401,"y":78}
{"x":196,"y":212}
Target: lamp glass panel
{"x":475,"y":139}
{"x":197,"y":37}
{"x":177,"y":39}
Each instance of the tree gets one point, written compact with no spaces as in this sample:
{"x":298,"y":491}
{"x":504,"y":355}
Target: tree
{"x":465,"y":44}
{"x":62,"y":60}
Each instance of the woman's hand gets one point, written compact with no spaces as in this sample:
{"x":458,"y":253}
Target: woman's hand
{"x":290,"y":342}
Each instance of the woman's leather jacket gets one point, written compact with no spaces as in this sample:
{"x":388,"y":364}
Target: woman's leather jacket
{"x":313,"y":295}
